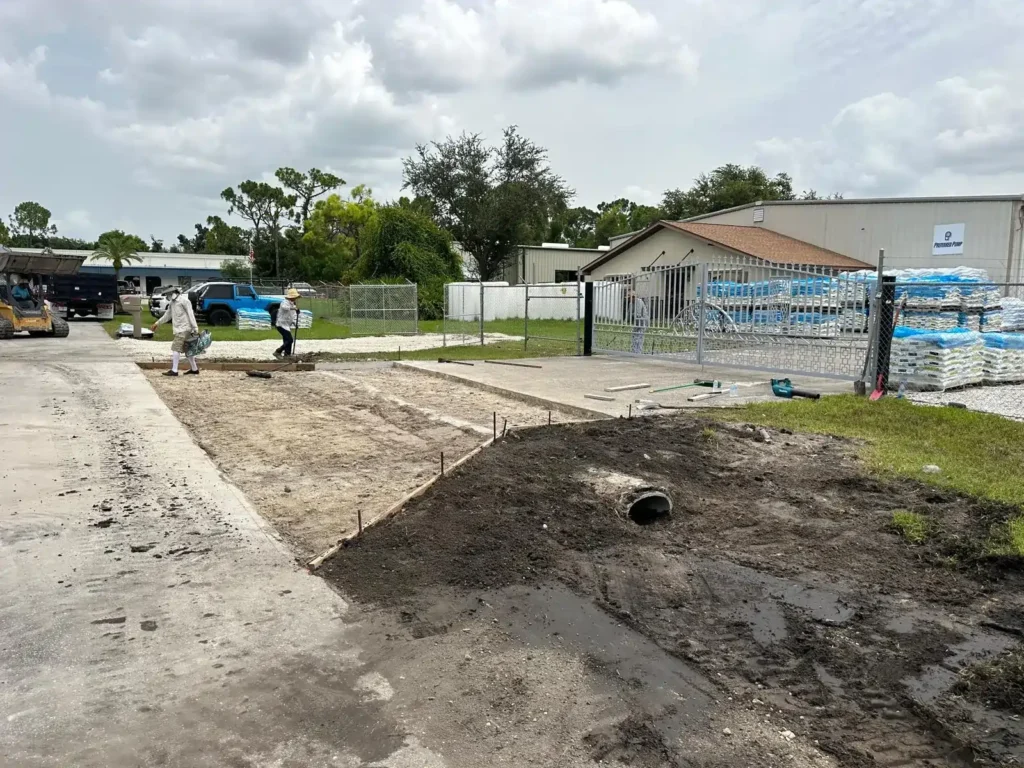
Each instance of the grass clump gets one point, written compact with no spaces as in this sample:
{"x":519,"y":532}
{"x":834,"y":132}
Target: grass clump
{"x":1007,"y":540}
{"x":980,"y":454}
{"x":998,"y":683}
{"x":707,"y":434}
{"x":912,"y":526}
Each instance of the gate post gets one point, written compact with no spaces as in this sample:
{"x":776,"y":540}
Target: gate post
{"x":701,"y":312}
{"x":526,"y":315}
{"x":588,"y":319}
{"x":886,"y":305}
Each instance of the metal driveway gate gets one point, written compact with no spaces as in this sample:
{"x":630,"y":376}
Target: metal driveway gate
{"x":378,"y":310}
{"x":739,"y":312}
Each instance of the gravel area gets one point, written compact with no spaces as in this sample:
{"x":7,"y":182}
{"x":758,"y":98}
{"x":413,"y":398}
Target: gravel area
{"x":141,"y":349}
{"x":1005,"y":400}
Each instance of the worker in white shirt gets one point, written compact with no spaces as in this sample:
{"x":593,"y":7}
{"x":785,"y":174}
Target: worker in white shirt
{"x":183,"y":323}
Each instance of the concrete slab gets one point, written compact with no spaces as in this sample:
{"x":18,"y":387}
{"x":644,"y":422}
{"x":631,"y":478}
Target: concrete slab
{"x":563,"y":382}
{"x":147,"y":615}
{"x":87,"y":342}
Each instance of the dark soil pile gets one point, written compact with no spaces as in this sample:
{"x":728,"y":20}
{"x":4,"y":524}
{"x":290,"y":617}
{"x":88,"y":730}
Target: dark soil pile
{"x":777,"y":569}
{"x":999,"y":683}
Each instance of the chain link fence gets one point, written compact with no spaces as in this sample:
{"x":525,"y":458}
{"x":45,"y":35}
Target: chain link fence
{"x":379,"y":310}
{"x":550,"y":313}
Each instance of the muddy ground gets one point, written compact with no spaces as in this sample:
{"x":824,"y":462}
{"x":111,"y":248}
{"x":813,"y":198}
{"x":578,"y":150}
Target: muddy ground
{"x":312,"y":450}
{"x":774,"y":619}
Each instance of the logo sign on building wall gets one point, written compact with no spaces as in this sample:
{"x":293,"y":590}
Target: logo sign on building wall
{"x":948,"y":238}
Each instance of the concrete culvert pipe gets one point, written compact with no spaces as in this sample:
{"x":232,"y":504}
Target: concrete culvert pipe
{"x":645,"y":507}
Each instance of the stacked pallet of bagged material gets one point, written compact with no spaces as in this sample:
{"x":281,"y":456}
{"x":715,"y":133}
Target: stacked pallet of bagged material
{"x":305,"y":318}
{"x":936,"y":360}
{"x":853,"y":319}
{"x":757,"y":320}
{"x":818,"y":292}
{"x":1013,"y":314}
{"x":929,"y":320}
{"x":253,"y":320}
{"x":992,"y":320}
{"x":1003,"y":357}
{"x":813,"y":324}
{"x":970,"y":319}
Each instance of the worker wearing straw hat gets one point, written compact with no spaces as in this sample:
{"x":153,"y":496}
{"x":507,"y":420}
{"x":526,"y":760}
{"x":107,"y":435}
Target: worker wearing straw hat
{"x":287,"y":322}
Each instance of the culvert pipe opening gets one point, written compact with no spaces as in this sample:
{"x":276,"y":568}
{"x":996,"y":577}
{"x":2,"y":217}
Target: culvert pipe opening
{"x":647,"y":507}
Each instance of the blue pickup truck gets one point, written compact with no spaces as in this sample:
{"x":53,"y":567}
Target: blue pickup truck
{"x":218,"y":303}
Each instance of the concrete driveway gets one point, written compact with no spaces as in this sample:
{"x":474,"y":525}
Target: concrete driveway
{"x":147,"y":615}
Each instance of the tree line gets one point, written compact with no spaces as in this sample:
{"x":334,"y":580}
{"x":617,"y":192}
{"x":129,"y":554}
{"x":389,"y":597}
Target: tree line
{"x":487,"y":199}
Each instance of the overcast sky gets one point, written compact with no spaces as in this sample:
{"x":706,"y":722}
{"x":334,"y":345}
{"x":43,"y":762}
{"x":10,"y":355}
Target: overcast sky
{"x":135,"y":114}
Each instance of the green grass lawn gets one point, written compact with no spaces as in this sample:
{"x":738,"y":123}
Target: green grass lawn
{"x":978,"y":453}
{"x":324,"y":328}
{"x":505,"y":350}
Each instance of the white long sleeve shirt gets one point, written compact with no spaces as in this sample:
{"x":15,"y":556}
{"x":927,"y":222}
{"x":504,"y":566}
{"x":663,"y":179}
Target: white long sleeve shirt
{"x":287,"y":315}
{"x":179,"y":312}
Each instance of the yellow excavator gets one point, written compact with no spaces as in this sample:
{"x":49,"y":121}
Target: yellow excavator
{"x":23,"y":307}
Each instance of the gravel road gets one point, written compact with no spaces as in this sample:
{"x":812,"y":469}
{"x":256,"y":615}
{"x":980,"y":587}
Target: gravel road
{"x":1005,"y":400}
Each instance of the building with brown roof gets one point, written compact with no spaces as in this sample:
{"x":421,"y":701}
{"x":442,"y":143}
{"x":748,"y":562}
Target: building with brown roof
{"x":675,"y":243}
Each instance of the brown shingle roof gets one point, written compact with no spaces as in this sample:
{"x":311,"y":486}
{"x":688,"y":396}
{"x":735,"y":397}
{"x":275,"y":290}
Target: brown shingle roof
{"x":765,"y":244}
{"x":754,"y":241}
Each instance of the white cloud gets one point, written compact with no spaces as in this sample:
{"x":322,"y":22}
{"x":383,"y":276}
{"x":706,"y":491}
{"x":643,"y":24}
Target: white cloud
{"x":76,"y":223}
{"x":188,"y":108}
{"x":533,"y":44}
{"x":888,"y":144}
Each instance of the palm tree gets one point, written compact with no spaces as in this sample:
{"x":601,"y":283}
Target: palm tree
{"x":118,"y":249}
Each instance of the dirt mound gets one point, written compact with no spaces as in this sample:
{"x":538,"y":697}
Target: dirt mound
{"x":777,"y":580}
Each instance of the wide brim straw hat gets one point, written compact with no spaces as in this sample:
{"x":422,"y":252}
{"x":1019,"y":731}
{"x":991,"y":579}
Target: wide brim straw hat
{"x":292,"y":294}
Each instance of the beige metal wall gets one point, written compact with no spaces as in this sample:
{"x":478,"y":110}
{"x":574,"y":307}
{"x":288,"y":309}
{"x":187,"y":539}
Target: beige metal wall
{"x":541,"y":263}
{"x":675,"y":245}
{"x":903,"y":229}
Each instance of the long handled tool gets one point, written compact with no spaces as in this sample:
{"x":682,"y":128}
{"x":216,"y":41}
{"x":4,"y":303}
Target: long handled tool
{"x":295,"y":344}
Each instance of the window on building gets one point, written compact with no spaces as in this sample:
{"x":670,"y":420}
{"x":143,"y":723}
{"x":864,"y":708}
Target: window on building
{"x":565,"y":276}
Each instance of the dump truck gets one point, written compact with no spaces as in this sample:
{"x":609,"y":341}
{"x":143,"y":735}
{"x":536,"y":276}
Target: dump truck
{"x":23,"y":304}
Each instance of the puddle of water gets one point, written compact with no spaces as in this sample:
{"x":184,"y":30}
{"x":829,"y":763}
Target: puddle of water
{"x":766,"y":596}
{"x":677,"y":695}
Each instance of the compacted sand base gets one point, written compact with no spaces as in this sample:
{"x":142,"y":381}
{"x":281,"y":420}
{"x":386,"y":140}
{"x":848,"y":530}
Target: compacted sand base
{"x":311,"y":449}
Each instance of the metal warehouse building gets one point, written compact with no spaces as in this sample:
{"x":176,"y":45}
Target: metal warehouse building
{"x":154,"y":269}
{"x":983,"y":232}
{"x":549,"y":263}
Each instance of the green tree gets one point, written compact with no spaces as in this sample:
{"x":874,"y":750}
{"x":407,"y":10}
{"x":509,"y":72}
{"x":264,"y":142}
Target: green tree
{"x":117,"y":248}
{"x":265,"y":206}
{"x":195,"y":244}
{"x":307,"y":187}
{"x":5,"y":234}
{"x":225,"y":238}
{"x":726,"y":187}
{"x":812,"y":194}
{"x":400,"y":243}
{"x":155,"y":246}
{"x":33,"y":221}
{"x":331,"y":241}
{"x":490,"y":198}
{"x":235,"y":269}
{"x":136,"y":242}
{"x":578,"y":227}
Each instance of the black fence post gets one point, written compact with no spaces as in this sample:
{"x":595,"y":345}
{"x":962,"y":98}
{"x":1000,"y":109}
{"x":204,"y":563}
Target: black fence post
{"x":588,"y":319}
{"x":886,"y":307}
